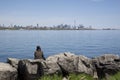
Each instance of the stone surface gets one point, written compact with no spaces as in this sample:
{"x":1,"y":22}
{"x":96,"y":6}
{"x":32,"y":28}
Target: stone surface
{"x":13,"y":62}
{"x":71,"y":63}
{"x":30,"y":69}
{"x":66,"y":61}
{"x":7,"y":72}
{"x":107,"y":64}
{"x":107,"y":58}
{"x":50,"y":67}
{"x":85,"y":65}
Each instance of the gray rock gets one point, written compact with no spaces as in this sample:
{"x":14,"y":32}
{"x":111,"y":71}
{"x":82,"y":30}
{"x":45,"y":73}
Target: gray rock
{"x":107,"y":58}
{"x":51,"y":67}
{"x":66,"y":61}
{"x":71,"y":63}
{"x":85,"y":65}
{"x":13,"y":62}
{"x":30,"y":69}
{"x":7,"y":72}
{"x":64,"y":78}
{"x":107,"y":65}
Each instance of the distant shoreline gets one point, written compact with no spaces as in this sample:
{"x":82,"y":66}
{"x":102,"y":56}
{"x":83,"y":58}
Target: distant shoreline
{"x":58,"y":29}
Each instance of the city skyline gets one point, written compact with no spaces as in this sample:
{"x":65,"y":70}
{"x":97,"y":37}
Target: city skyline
{"x":97,"y":13}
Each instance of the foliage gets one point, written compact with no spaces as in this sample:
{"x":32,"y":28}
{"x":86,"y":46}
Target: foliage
{"x":51,"y":77}
{"x":114,"y":77}
{"x":71,"y":77}
{"x":78,"y":77}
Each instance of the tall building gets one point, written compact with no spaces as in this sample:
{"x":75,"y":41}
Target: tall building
{"x":37,"y":25}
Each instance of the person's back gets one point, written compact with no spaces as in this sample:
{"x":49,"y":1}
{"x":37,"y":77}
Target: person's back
{"x":38,"y":53}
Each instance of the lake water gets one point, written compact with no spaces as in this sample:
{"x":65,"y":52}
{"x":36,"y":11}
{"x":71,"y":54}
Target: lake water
{"x":91,"y":43}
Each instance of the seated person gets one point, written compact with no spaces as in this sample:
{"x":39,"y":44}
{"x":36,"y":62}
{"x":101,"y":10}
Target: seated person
{"x":38,"y":53}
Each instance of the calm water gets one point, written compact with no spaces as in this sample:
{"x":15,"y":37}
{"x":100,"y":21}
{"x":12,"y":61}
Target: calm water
{"x":21,"y":44}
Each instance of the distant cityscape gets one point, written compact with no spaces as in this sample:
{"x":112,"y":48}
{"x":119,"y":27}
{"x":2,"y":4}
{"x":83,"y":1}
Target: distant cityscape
{"x":57,"y":27}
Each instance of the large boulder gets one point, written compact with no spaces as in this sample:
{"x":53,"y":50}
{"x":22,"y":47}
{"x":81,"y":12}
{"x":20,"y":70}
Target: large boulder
{"x":7,"y":72}
{"x":66,"y":61}
{"x":71,"y":63}
{"x":30,"y":69}
{"x":107,"y":64}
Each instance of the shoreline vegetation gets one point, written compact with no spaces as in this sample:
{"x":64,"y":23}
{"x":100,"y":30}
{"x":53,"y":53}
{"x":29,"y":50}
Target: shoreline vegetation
{"x":81,"y":76}
{"x":57,"y":27}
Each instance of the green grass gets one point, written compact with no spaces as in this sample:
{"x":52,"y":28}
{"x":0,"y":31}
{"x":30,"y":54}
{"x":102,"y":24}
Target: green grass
{"x":114,"y":77}
{"x":79,"y":77}
{"x":51,"y":77}
{"x":71,"y":77}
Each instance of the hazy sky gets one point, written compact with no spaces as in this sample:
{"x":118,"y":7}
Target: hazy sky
{"x":98,"y":13}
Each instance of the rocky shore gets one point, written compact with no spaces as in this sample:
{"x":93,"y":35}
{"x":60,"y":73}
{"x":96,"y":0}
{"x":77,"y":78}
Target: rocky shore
{"x":61,"y":64}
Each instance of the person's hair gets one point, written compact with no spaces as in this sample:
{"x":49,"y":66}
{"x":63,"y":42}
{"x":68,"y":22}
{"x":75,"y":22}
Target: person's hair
{"x":38,"y":48}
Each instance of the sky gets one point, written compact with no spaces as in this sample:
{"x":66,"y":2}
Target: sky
{"x":96,"y":13}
